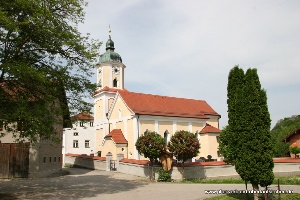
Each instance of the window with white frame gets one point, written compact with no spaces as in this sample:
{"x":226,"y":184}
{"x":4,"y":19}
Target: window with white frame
{"x":87,"y":144}
{"x":75,"y":133}
{"x":75,"y":144}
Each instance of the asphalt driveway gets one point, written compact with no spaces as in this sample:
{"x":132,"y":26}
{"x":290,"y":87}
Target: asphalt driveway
{"x":95,"y":184}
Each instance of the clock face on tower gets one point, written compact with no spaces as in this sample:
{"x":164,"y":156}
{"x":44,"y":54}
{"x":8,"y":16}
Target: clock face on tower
{"x":115,"y":70}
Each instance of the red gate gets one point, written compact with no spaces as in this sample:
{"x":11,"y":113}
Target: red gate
{"x":14,"y":160}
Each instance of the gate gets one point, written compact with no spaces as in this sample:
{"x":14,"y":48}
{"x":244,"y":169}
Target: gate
{"x":113,"y":165}
{"x":14,"y":160}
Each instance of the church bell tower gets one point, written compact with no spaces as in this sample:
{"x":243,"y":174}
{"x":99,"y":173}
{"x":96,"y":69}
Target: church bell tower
{"x":110,"y":69}
{"x":110,"y":78}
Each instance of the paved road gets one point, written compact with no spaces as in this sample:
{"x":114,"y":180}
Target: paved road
{"x":94,"y":184}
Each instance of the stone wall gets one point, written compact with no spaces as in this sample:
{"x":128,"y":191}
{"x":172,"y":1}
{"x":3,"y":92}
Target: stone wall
{"x":200,"y":170}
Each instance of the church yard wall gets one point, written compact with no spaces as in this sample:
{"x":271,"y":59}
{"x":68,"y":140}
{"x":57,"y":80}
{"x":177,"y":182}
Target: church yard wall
{"x":194,"y":170}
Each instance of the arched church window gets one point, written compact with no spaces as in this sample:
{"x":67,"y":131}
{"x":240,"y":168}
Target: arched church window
{"x":115,"y":82}
{"x":166,"y":136}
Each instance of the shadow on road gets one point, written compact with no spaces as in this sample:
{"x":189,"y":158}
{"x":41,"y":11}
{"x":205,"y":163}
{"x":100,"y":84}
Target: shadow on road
{"x":66,"y":187}
{"x":77,"y":170}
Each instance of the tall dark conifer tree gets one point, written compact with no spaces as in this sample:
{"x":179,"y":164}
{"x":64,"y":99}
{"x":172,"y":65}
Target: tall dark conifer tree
{"x":247,"y":139}
{"x":227,"y":137}
{"x":254,"y":161}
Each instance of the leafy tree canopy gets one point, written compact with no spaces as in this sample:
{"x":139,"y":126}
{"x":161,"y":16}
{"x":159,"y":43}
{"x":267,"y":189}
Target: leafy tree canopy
{"x":151,"y":145}
{"x":295,"y":150}
{"x":283,"y":128}
{"x":44,"y":60}
{"x":184,"y":145}
{"x":226,"y":145}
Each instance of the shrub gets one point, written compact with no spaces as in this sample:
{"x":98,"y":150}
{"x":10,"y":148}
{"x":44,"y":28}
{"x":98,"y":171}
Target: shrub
{"x":163,"y":176}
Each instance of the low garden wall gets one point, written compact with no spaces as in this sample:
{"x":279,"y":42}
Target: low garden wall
{"x":195,"y":170}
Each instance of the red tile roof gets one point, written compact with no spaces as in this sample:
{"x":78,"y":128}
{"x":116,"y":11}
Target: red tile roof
{"x":14,"y":90}
{"x":288,"y":137}
{"x":133,"y":161}
{"x":83,"y":116}
{"x":117,"y":136}
{"x":210,"y":129}
{"x":109,"y":89}
{"x":148,"y":104}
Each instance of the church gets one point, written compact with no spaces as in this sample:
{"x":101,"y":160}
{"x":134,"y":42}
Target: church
{"x":121,"y":116}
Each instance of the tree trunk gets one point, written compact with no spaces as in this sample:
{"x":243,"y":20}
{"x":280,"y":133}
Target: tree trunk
{"x":255,"y":188}
{"x":266,"y":194}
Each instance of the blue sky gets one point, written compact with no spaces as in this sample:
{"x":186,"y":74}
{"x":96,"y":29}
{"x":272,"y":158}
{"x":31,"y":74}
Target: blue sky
{"x":187,"y":48}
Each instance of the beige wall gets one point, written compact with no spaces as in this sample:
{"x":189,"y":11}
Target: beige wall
{"x":209,"y":145}
{"x":119,"y":149}
{"x":106,"y":70}
{"x":110,"y":101}
{"x":120,"y":125}
{"x":109,"y":146}
{"x":98,"y":109}
{"x":107,"y":76}
{"x":214,"y":121}
{"x":130,"y":138}
{"x":182,"y":126}
{"x":197,"y":127}
{"x":147,"y":125}
{"x":165,"y":125}
{"x":119,"y":109}
{"x":99,"y":140}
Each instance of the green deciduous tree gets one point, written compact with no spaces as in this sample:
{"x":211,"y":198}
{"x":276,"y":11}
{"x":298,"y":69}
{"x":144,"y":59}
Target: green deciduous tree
{"x":295,"y":150}
{"x":45,"y":59}
{"x":249,"y":127}
{"x":184,"y":145}
{"x":151,"y":145}
{"x":283,"y":128}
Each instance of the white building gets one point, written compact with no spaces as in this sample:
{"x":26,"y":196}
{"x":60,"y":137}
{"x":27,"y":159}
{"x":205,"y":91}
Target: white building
{"x":80,"y":139}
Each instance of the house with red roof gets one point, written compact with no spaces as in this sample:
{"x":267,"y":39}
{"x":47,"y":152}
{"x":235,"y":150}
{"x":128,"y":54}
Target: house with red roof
{"x":293,"y":139}
{"x":121,"y":116}
{"x":80,"y":138}
{"x":21,"y":157}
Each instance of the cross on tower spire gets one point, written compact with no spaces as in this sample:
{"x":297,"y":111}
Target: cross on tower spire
{"x":109,"y":31}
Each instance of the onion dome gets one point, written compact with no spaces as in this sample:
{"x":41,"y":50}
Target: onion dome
{"x":110,"y":55}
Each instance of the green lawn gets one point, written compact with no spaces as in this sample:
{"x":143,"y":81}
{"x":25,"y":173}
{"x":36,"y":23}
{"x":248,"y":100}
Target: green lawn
{"x":261,"y":197}
{"x":289,"y":180}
